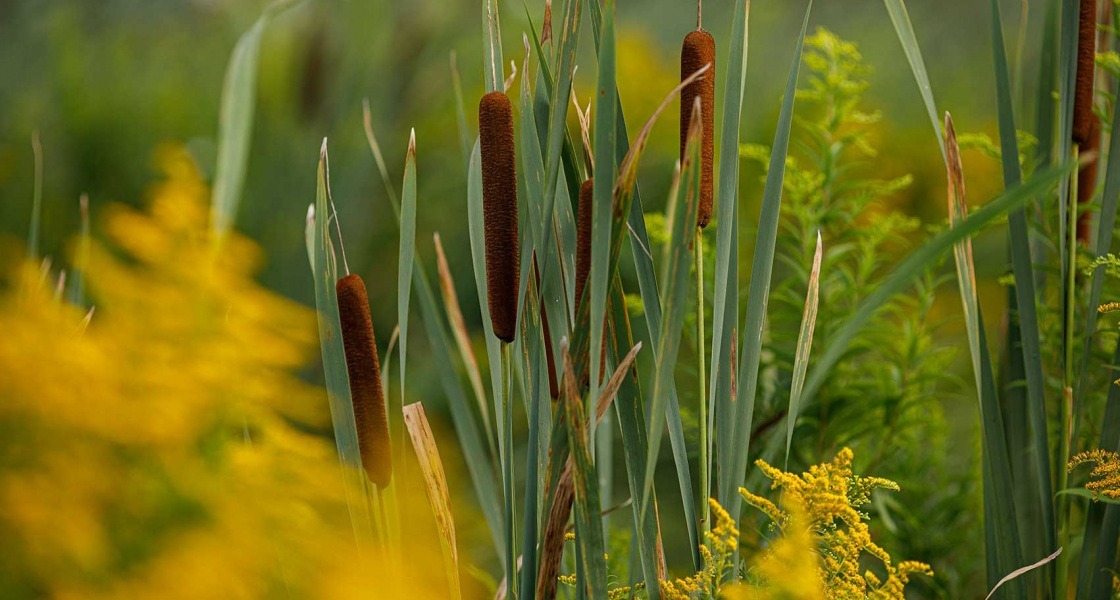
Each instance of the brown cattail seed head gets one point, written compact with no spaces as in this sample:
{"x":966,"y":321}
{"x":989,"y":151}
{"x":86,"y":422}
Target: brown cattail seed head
{"x":583,"y":237}
{"x":1086,"y":66}
{"x":365,"y":380}
{"x":698,"y":50}
{"x":1087,"y":181}
{"x":499,"y":208}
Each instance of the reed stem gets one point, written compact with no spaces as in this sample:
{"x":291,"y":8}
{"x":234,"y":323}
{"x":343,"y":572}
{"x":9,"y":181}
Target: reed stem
{"x":506,"y":450}
{"x":701,"y":378}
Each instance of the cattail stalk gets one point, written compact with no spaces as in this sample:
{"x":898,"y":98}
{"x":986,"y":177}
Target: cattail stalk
{"x":499,"y":207}
{"x":1086,"y":67}
{"x":364,"y":369}
{"x":697,"y":51}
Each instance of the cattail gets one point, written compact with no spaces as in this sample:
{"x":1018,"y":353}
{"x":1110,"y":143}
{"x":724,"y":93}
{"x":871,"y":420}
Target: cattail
{"x":583,"y":238}
{"x":499,"y":209}
{"x":365,"y":380}
{"x":698,"y":51}
{"x":1087,"y":181}
{"x":1086,"y":66}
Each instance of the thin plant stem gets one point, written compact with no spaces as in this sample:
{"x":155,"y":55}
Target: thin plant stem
{"x":1066,"y":432}
{"x":705,"y":437}
{"x":506,"y":449}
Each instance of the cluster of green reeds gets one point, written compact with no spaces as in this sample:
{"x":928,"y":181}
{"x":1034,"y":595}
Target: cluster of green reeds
{"x":565,"y":332}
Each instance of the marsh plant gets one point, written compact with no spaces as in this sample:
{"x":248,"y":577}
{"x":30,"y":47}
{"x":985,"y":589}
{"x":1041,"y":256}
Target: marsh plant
{"x":636,"y":351}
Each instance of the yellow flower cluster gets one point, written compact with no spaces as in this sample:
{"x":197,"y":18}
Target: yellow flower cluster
{"x":160,"y":450}
{"x":718,"y":556}
{"x":1105,"y":476}
{"x":829,"y":496}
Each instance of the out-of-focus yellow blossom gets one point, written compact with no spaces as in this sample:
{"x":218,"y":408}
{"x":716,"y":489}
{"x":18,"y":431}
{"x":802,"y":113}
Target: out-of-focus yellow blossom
{"x":718,"y":556}
{"x":830,"y":496}
{"x":161,"y":451}
{"x":1105,"y":476}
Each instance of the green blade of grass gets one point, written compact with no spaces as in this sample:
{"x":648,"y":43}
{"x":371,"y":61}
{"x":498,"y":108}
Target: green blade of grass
{"x":904,"y":29}
{"x":921,"y":259}
{"x":492,"y":48}
{"x":1004,"y":551}
{"x":407,"y":252}
{"x":1023,"y":268}
{"x":651,"y":305}
{"x":804,"y":344}
{"x":235,"y":121}
{"x":674,"y":297}
{"x":603,"y":198}
{"x":630,"y":411}
{"x":325,"y":274}
{"x":758,"y":296}
{"x":589,"y":536}
{"x":460,"y":111}
{"x":725,"y":297}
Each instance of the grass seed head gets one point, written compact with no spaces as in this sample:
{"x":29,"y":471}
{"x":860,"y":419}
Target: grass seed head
{"x":365,"y":380}
{"x":499,"y":206}
{"x":698,"y":50}
{"x":1086,"y":66}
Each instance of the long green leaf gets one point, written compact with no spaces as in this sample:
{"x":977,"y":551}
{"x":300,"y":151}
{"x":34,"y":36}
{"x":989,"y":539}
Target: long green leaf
{"x":325,"y":274}
{"x":651,"y":305}
{"x":675,"y":299}
{"x":605,"y":167}
{"x":804,"y":344}
{"x":725,"y":296}
{"x":920,"y":260}
{"x":900,"y":18}
{"x":492,"y":47}
{"x":759,"y":294}
{"x":1023,"y":268}
{"x":1004,"y":551}
{"x":407,"y":252}
{"x":235,"y":121}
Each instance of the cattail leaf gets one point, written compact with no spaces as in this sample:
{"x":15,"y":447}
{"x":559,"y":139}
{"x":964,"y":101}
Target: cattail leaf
{"x":460,"y":111}
{"x":435,"y":485}
{"x":804,"y":344}
{"x":725,"y":282}
{"x":474,"y":454}
{"x":378,"y":159}
{"x":674,"y":296}
{"x":759,"y":294}
{"x":900,"y":18}
{"x":1001,"y":526}
{"x":235,"y":121}
{"x":603,"y":197}
{"x":921,"y":259}
{"x":1028,"y":320}
{"x":407,"y":252}
{"x":589,"y":530}
{"x":630,"y":205}
{"x":325,"y":274}
{"x":492,"y":47}
{"x":460,"y":333}
{"x":630,"y":411}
